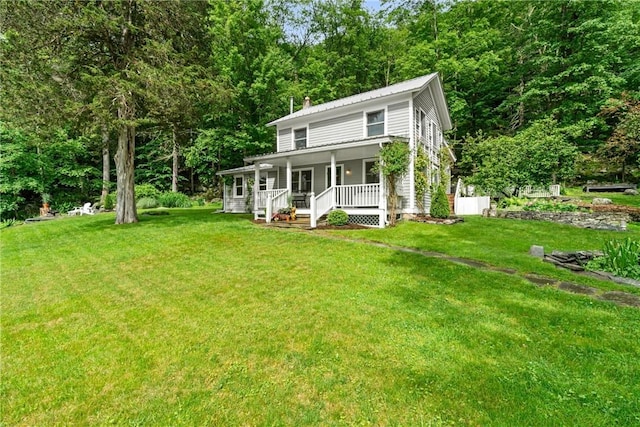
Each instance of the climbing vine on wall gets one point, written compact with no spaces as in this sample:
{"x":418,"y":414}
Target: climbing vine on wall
{"x":421,"y":178}
{"x":393,"y":164}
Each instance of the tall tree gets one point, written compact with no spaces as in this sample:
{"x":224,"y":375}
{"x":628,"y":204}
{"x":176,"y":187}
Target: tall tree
{"x":101,"y":51}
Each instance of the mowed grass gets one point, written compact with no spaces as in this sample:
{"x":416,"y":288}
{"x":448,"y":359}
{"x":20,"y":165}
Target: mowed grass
{"x":617,"y":198}
{"x":503,"y":243}
{"x":198,"y":318}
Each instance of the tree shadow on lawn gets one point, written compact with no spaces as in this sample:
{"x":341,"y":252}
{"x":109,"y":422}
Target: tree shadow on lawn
{"x":172,"y":218}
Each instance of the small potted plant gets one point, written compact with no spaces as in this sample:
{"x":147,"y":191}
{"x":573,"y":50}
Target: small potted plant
{"x":284,"y":214}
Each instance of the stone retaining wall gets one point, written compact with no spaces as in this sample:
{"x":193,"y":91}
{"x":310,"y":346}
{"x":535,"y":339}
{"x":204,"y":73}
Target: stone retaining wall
{"x":616,"y":221}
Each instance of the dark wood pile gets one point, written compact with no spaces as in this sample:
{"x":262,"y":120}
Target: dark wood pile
{"x":572,"y":260}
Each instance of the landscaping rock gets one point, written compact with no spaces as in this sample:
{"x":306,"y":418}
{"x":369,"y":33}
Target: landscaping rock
{"x":601,"y":201}
{"x":599,"y":219}
{"x":631,"y":192}
{"x":536,"y":251}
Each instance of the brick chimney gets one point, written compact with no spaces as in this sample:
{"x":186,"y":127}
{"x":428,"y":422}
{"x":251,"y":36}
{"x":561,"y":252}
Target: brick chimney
{"x":306,"y":103}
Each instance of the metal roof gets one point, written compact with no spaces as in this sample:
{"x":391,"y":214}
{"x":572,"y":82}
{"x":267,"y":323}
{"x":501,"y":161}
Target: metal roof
{"x":244,"y":169}
{"x":412,"y":85}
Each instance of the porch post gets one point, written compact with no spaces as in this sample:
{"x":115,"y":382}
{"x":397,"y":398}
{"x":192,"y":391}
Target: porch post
{"x":383,"y":199}
{"x":312,"y":204}
{"x":224,"y":196}
{"x":288,"y":176}
{"x":334,"y":180}
{"x":256,"y":188}
{"x":268,"y":210}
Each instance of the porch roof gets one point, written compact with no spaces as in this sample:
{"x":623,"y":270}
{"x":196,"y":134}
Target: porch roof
{"x":245,"y":169}
{"x":349,"y":150}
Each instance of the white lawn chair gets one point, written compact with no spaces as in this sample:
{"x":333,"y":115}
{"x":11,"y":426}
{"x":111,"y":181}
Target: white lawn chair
{"x":85,"y":209}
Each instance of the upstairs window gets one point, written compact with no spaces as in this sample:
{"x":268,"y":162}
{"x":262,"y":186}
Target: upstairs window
{"x":435,"y":135}
{"x":423,"y":125}
{"x":375,"y":123}
{"x":300,"y":138}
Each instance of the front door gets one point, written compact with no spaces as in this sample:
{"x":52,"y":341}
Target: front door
{"x":328,"y":176}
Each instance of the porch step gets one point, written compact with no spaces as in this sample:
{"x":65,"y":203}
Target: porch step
{"x":451,"y":198}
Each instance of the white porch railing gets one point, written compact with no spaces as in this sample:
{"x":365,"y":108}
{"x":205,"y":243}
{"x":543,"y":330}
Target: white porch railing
{"x":280,"y":200}
{"x":529,"y":191}
{"x":271,"y":201}
{"x":264,"y":194}
{"x":362,"y":195}
{"x":321,"y":204}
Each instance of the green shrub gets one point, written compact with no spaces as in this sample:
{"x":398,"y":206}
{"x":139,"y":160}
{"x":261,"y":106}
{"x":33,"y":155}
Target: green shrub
{"x":198,"y":201}
{"x":211,"y":194}
{"x":544,"y":206}
{"x":147,"y":203}
{"x":174,"y":200}
{"x":337,"y":217}
{"x":110,"y":201}
{"x":621,"y":258}
{"x":440,"y":204}
{"x":512,"y":202}
{"x":146,"y":190}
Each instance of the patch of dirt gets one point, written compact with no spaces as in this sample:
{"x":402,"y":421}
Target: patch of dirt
{"x":577,"y":289}
{"x":539,"y":280}
{"x":621,"y":298}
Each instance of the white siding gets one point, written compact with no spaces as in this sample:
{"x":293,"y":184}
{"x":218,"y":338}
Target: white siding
{"x":402,"y":188}
{"x":233,"y":204}
{"x":424,"y":101}
{"x":284,"y":138}
{"x":343,"y":128}
{"x":398,"y":120}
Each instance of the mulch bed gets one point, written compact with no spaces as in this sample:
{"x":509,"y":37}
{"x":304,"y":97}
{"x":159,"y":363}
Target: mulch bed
{"x":429,"y":220}
{"x":342,"y":227}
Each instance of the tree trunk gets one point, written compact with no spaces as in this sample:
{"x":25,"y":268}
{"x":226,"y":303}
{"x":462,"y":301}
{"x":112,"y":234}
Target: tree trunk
{"x":106,"y":165}
{"x":393,"y":197}
{"x":126,"y":200}
{"x":174,"y":155}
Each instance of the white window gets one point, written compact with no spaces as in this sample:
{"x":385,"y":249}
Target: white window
{"x":339,"y":175}
{"x":421,"y":124}
{"x":263,"y":181}
{"x":302,"y":180}
{"x":375,"y":123}
{"x":434,"y":135}
{"x":370,"y":177}
{"x":300,"y":138}
{"x":238,"y":186}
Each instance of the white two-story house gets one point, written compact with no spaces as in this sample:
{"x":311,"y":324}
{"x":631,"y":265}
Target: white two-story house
{"x":326,"y":154}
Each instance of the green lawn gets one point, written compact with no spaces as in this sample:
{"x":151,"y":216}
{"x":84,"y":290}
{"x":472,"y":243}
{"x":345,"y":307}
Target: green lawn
{"x":616,"y":198}
{"x":198,"y":318}
{"x":502,"y":243}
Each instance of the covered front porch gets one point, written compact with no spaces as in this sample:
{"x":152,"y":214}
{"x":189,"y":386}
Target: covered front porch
{"x":365,"y":202}
{"x":318,"y":180}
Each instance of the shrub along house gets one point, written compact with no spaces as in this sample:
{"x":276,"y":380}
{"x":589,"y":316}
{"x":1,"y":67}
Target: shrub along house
{"x":326,"y":155}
